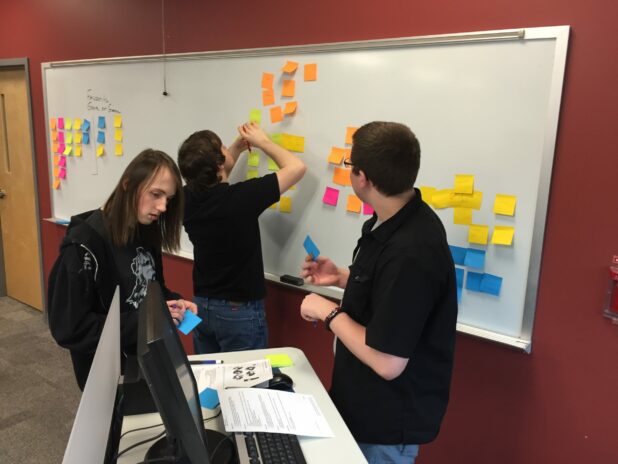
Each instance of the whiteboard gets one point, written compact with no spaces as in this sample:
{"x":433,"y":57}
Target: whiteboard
{"x":483,"y":103}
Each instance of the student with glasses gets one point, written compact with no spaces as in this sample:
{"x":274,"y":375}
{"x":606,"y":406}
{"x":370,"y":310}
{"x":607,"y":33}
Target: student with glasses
{"x":395,"y":326}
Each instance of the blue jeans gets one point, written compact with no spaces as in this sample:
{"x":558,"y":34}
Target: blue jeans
{"x":389,"y":454}
{"x":229,"y":326}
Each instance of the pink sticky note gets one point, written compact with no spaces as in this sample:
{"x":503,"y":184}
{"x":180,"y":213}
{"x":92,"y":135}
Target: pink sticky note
{"x":61,"y":137}
{"x":60,"y":123}
{"x":61,"y":148}
{"x":331,"y":196}
{"x":62,"y":161}
{"x":63,"y":173}
{"x":367,"y":209}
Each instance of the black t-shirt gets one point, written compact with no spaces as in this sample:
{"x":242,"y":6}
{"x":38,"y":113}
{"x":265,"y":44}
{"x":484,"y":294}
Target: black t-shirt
{"x":402,"y":289}
{"x":222,"y":224}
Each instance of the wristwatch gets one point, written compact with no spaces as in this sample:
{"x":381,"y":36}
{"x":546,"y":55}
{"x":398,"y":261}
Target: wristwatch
{"x":333,"y":314}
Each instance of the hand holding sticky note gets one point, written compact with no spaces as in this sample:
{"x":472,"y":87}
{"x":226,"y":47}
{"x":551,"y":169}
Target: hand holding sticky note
{"x":189,"y":322}
{"x":311,"y":248}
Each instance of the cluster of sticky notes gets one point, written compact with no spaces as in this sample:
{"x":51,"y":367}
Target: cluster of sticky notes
{"x":468,"y":256}
{"x":483,"y":283}
{"x":67,"y":137}
{"x":288,"y":89}
{"x":475,"y":281}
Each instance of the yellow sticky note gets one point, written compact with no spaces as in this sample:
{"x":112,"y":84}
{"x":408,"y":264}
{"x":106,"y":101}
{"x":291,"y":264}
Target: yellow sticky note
{"x":293,"y":142}
{"x":54,"y":136}
{"x":78,"y":137}
{"x":52,"y":123}
{"x":505,"y":204}
{"x":118,"y":150}
{"x":279,"y":360}
{"x":268,"y":97}
{"x":289,"y":87}
{"x":290,"y":67}
{"x":68,"y":124}
{"x":466,"y":200}
{"x":118,"y":135}
{"x":274,"y":206}
{"x":336,"y":155}
{"x":478,"y":234}
{"x":311,"y":72}
{"x":354,"y":204}
{"x":503,"y":235}
{"x":464,"y":183}
{"x":252,"y":174}
{"x":462,"y":216}
{"x":255,"y":115}
{"x":68,"y":137}
{"x":253,"y":159}
{"x":77,"y":124}
{"x":56,"y":184}
{"x":272,"y":166}
{"x":267,"y":80}
{"x":275,"y":114}
{"x":285,"y":204}
{"x":290,"y":107}
{"x":78,"y":150}
{"x":442,"y":198}
{"x":427,"y":194}
{"x":341,"y":176}
{"x":67,"y":150}
{"x":293,"y":187}
{"x":100,"y":150}
{"x":117,"y":120}
{"x":349,"y":133}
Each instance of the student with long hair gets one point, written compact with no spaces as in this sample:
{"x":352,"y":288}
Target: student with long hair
{"x":117,"y":245}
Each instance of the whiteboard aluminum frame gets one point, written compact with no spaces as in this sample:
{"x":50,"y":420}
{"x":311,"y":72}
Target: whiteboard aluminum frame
{"x":559,"y":33}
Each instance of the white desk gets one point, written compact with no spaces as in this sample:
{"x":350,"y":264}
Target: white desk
{"x":340,"y":449}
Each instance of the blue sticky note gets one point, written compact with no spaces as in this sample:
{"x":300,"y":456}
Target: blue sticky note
{"x":209,"y":398}
{"x":101,"y":137}
{"x":101,"y":124}
{"x":86,"y":138}
{"x":459,"y":273}
{"x":491,"y":284}
{"x":85,"y":125}
{"x":475,"y":258}
{"x":459,"y":254}
{"x":473,"y":281}
{"x":189,"y":322}
{"x":311,"y":248}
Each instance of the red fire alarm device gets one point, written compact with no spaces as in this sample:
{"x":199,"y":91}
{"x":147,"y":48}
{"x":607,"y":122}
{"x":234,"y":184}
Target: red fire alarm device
{"x":611,"y":305}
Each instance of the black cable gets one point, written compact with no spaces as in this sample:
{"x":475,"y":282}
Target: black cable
{"x":141,"y":428}
{"x":120,"y":453}
{"x":227,"y":437}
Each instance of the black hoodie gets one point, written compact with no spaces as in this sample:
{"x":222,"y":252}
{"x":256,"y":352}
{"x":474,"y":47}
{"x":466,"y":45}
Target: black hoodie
{"x":82,"y":283}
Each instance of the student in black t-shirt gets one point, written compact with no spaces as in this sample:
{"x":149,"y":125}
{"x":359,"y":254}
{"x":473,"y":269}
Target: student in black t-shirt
{"x":221,"y":220}
{"x":395,"y":326}
{"x":117,"y":245}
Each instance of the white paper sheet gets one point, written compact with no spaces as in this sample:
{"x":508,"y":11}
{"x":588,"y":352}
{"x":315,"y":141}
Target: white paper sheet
{"x":262,"y":410}
{"x":221,"y":376}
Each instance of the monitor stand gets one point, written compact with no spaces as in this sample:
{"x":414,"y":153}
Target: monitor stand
{"x":225,"y":454}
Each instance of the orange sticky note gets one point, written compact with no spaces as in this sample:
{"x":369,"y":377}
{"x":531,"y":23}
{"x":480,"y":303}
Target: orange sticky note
{"x":276,"y":115}
{"x":336,"y":155}
{"x":290,"y":107}
{"x":54,"y":135}
{"x":55,"y":148}
{"x":268,"y":97}
{"x":311,"y":72}
{"x":56,"y":160}
{"x":354,"y":204}
{"x":52,"y":123}
{"x":290,"y":67}
{"x":267,"y":80}
{"x":57,"y":184}
{"x":349,"y":132}
{"x":288,"y":88}
{"x":341,"y":176}
{"x":56,"y":171}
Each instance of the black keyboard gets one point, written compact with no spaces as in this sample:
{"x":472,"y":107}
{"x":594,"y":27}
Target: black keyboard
{"x":268,"y":448}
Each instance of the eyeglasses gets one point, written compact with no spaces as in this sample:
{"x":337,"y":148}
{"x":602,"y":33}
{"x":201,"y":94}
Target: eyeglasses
{"x":347,"y":163}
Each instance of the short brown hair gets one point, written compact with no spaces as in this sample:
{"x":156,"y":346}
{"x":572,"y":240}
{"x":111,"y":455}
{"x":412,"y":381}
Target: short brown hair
{"x":120,"y":209}
{"x":199,"y":159}
{"x":389,"y":154}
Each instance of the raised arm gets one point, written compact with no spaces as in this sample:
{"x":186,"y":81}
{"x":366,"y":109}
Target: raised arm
{"x":291,"y":168}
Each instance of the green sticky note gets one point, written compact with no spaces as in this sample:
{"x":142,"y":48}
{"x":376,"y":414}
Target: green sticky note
{"x":255,"y":115}
{"x":279,"y":360}
{"x":254,"y":158}
{"x":276,"y":138}
{"x":272,"y":166}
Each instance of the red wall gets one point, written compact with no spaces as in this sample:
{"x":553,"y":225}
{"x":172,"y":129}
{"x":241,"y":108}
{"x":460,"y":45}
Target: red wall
{"x":557,"y":405}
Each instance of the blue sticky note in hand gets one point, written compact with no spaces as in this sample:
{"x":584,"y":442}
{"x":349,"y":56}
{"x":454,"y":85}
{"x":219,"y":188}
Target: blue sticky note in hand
{"x":189,"y":322}
{"x":101,"y":124}
{"x":475,"y":258}
{"x":311,"y":248}
{"x":101,"y":137}
{"x":209,"y":398}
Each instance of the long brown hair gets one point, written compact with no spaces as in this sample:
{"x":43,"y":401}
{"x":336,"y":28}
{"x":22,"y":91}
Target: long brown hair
{"x":120,"y":209}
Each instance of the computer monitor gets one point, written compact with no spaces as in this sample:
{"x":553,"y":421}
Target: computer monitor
{"x":167,"y":371}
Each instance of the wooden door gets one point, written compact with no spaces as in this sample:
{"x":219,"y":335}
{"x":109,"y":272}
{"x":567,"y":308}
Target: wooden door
{"x":18,"y":205}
